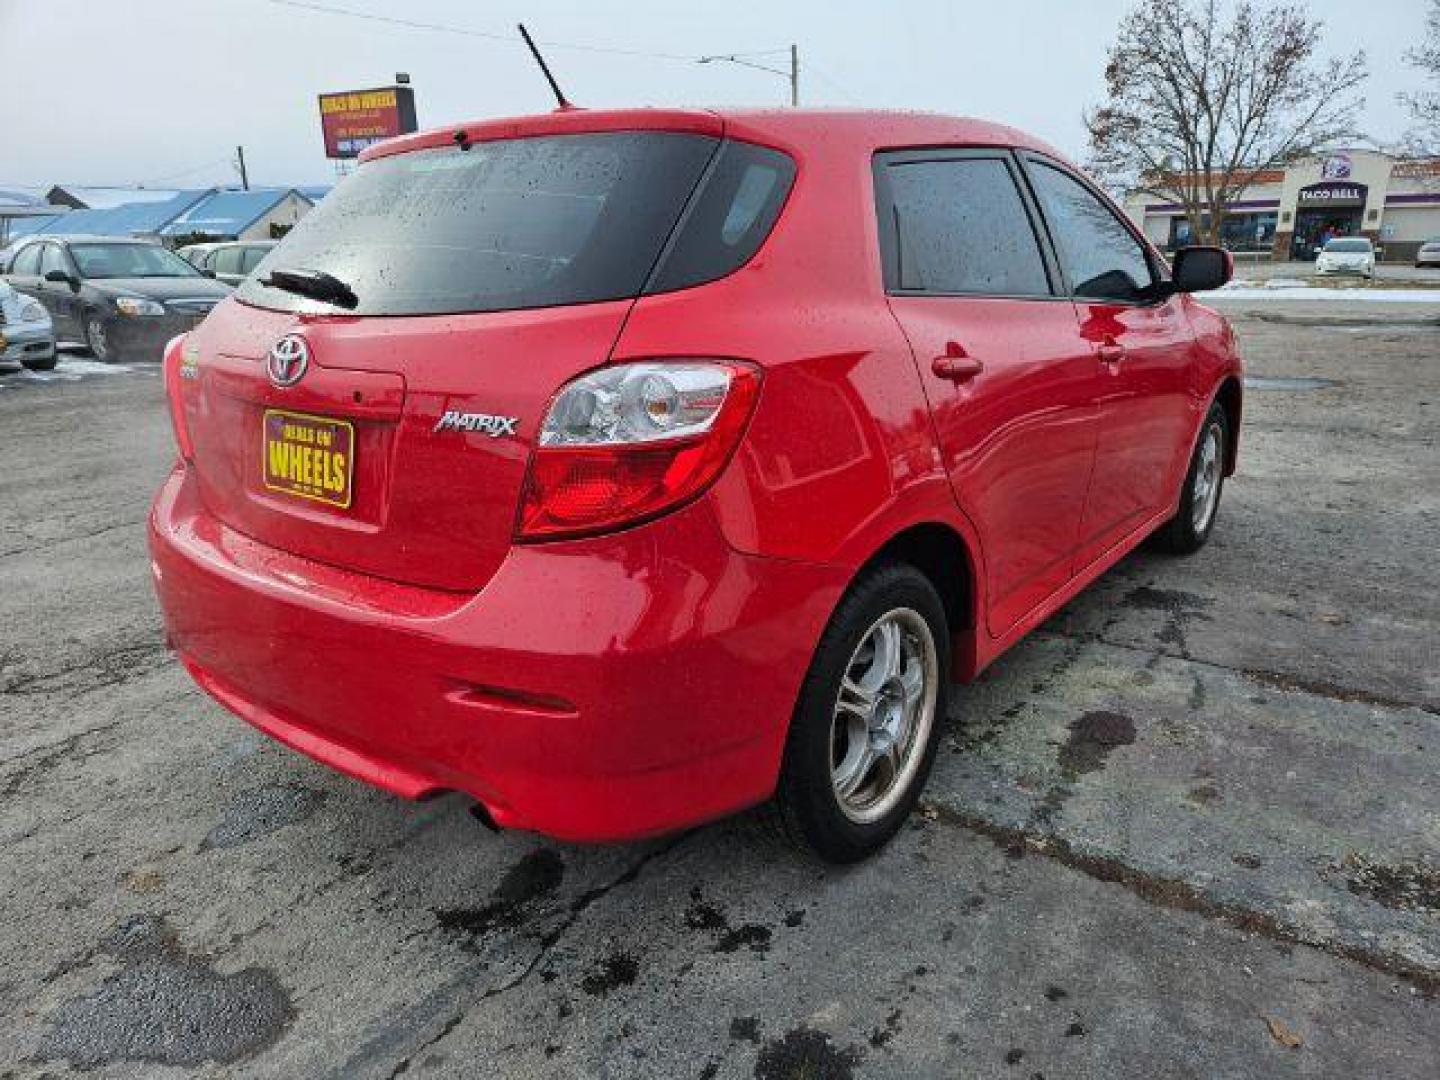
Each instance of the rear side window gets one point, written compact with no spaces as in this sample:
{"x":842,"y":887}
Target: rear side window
{"x":958,"y":226}
{"x":518,"y":223}
{"x":28,"y":261}
{"x":1101,"y":257}
{"x":729,"y":218}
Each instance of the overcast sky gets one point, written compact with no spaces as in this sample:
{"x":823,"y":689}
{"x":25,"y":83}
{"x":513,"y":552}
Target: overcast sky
{"x":160,"y":91}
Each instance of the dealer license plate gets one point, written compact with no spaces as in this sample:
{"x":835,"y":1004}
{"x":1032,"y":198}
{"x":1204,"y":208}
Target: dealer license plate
{"x":310,"y":457}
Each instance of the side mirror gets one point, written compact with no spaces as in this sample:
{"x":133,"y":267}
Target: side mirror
{"x":1200,"y":269}
{"x":207,"y":273}
{"x":60,"y":277}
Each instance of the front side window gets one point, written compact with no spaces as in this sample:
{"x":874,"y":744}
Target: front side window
{"x":252,"y":258}
{"x":959,"y":226}
{"x":1100,"y":256}
{"x":99,"y":261}
{"x":226,"y":261}
{"x":52,"y":259}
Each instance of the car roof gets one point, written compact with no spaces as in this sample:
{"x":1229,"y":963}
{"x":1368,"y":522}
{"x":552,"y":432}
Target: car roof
{"x":82,"y":238}
{"x":867,"y":129}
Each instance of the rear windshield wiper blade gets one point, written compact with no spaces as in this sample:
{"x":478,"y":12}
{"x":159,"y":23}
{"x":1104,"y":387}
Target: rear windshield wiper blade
{"x":314,"y":284}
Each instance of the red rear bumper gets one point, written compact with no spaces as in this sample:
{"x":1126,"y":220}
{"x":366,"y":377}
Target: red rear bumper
{"x":594,"y":690}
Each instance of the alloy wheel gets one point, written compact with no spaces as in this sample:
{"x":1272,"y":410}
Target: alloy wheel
{"x":883,"y":715}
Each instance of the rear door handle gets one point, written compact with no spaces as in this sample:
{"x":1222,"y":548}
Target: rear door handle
{"x":1111,"y":353}
{"x":955,"y":365}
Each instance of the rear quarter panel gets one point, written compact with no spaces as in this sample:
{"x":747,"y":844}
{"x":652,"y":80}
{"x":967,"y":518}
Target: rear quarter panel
{"x":840,"y":454}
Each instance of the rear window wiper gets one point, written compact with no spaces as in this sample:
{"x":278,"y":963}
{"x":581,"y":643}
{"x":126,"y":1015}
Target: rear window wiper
{"x":314,"y":284}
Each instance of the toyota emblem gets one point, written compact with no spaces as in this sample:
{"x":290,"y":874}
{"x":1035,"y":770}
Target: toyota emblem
{"x":288,"y":359}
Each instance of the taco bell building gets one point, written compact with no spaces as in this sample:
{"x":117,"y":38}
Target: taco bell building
{"x":1289,"y":213}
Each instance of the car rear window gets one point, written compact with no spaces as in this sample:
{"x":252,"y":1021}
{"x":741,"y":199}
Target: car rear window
{"x":509,"y":224}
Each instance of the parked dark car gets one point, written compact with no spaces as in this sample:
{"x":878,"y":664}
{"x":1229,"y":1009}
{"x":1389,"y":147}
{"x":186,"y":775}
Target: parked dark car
{"x":231,"y":262}
{"x":123,"y":298}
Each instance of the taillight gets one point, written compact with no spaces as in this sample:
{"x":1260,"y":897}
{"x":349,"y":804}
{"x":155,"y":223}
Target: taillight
{"x":627,"y":443}
{"x":180,"y":366}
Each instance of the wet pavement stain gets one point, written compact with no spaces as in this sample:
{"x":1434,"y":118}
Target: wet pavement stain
{"x":1170,"y":601}
{"x":167,"y":1007}
{"x":1401,"y":887}
{"x":616,"y":970}
{"x":745,"y":1029}
{"x":750,"y":936}
{"x":534,"y":877}
{"x":711,"y":919}
{"x":805,"y":1054}
{"x":261,"y":811}
{"x":881,"y":1036}
{"x":1092,"y":738}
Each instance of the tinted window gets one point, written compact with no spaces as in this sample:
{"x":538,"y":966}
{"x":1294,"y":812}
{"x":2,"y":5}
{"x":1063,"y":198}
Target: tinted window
{"x":226,"y":261}
{"x":960,"y":226}
{"x":1101,"y":257}
{"x":729,"y":218}
{"x":128,"y":260}
{"x":28,"y":261}
{"x":517,"y":223}
{"x":1349,"y":247}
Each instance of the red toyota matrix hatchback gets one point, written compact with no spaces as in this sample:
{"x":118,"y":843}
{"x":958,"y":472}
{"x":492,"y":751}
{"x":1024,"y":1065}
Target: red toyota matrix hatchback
{"x":625,"y":469}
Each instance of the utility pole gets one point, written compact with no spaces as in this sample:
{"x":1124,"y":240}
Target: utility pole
{"x":742,"y":59}
{"x":240,"y":164}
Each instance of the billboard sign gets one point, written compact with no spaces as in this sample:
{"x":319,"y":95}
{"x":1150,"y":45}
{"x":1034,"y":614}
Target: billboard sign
{"x":354,"y":119}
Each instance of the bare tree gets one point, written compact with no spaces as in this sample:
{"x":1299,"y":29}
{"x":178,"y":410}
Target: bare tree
{"x":1424,"y":105}
{"x":1203,"y":97}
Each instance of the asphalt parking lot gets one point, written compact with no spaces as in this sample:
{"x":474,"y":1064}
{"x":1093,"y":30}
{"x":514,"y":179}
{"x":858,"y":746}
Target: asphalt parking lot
{"x":1189,"y":829}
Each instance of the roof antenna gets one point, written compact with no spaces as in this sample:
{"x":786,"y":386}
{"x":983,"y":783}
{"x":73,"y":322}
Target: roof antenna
{"x":559,"y":94}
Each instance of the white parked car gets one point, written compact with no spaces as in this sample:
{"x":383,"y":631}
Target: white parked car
{"x":1429,"y":253}
{"x":27,"y":336}
{"x":1347,"y":255}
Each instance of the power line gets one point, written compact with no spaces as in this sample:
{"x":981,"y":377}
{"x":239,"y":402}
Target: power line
{"x":188,"y":172}
{"x":468,"y":31}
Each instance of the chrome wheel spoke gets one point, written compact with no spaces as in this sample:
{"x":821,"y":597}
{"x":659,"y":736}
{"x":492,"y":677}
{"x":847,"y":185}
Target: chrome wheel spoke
{"x":855,"y":699}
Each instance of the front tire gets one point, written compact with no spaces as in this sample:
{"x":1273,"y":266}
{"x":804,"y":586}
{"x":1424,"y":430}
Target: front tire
{"x":863,"y":737}
{"x":97,"y":339}
{"x":48,"y":364}
{"x":1188,"y":530}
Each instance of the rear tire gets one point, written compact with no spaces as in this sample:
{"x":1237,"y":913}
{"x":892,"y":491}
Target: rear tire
{"x":867,"y":722}
{"x":1191,"y":527}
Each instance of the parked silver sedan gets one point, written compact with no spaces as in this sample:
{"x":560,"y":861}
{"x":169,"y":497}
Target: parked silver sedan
{"x":27,"y":336}
{"x":1429,"y":253}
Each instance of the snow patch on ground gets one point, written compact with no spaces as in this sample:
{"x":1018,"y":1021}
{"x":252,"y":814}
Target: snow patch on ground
{"x":69,"y":369}
{"x":1288,"y":289}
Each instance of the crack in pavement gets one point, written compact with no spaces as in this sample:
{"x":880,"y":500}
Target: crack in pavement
{"x":443,"y":995}
{"x":1180,"y":895}
{"x":51,"y":755}
{"x":1276,"y":680}
{"x":71,"y":538}
{"x":114,"y":667}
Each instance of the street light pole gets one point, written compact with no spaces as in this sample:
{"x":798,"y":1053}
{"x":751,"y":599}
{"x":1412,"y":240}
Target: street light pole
{"x":794,"y":76}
